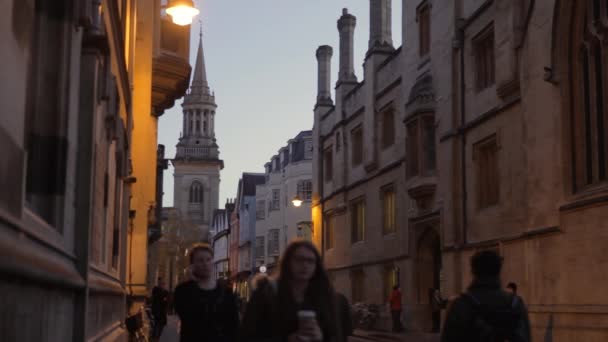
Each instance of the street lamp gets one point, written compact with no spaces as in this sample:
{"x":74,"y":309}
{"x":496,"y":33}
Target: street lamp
{"x":182,"y":11}
{"x":296,"y":201}
{"x":263,"y":269}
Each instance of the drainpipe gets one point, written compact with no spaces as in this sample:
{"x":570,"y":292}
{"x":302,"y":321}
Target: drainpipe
{"x":463,"y":136}
{"x":321,"y":183}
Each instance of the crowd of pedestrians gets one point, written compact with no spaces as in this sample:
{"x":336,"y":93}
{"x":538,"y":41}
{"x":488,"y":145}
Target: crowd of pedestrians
{"x":299,"y":304}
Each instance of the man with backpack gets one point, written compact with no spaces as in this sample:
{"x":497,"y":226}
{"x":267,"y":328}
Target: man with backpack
{"x":485,"y":312}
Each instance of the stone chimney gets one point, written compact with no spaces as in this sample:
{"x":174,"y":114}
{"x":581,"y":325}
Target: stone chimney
{"x":324,"y":54}
{"x":346,"y":27}
{"x":380,"y":24}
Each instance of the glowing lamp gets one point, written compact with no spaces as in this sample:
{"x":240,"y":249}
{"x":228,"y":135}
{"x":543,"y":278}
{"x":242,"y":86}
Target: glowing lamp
{"x":182,"y":11}
{"x":296,"y":201}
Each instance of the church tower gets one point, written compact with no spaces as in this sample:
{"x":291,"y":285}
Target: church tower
{"x":197,"y":163}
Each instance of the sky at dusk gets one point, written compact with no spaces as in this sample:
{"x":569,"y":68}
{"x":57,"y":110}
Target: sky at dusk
{"x":261,"y":64}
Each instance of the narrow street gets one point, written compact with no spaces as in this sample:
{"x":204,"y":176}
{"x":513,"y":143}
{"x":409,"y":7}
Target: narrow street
{"x":170,"y":334}
{"x":162,"y":154}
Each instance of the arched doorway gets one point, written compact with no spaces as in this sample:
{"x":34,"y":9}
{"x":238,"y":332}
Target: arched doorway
{"x":428,"y":266}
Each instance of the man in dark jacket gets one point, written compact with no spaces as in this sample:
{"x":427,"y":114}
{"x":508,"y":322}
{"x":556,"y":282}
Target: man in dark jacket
{"x":160,"y":299}
{"x":486,"y":312}
{"x":206,"y":309}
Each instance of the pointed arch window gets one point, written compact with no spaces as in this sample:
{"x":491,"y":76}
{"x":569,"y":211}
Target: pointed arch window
{"x":196,"y":192}
{"x":589,"y":113}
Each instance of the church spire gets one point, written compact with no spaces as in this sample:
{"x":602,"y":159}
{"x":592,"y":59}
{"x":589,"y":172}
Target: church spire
{"x":199,"y":80}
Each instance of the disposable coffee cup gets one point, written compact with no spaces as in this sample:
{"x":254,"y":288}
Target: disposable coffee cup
{"x":304,"y":315}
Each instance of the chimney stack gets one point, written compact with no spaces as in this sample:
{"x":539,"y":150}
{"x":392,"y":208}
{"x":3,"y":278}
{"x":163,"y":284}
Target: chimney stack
{"x":380,"y":24}
{"x":324,"y":54}
{"x":346,"y":27}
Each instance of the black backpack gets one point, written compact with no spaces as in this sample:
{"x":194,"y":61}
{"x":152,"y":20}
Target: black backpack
{"x":492,"y":324}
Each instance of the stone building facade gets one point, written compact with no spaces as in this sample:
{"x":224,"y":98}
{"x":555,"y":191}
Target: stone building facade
{"x":486,"y":129}
{"x":246,"y":209}
{"x":220,"y":240}
{"x":277,"y":220}
{"x":73,"y":224}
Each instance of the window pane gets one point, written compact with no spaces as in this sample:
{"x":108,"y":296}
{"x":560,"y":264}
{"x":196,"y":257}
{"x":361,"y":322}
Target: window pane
{"x":412,"y":149}
{"x":429,"y":143}
{"x":329,"y":232}
{"x":587,"y":111}
{"x":388,"y":211}
{"x":388,"y":129}
{"x":599,"y":101}
{"x":424,"y":29}
{"x":484,"y":59}
{"x":357,"y":146}
{"x":328,"y":167}
{"x":488,"y":181}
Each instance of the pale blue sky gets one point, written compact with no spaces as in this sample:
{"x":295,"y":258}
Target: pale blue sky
{"x":260,"y":57}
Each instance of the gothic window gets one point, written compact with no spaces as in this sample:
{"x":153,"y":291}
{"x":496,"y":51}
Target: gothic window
{"x":388,"y":128}
{"x":388,"y":210}
{"x":389,"y":279}
{"x":424,"y":28}
{"x":357,"y":278}
{"x":46,"y":136}
{"x":338,"y":142}
{"x":329,"y":231}
{"x":487,"y":177}
{"x":357,"y":146}
{"x":589,"y":115}
{"x":357,"y":210}
{"x":483,"y":48}
{"x":196,"y":192}
{"x":328,"y":166}
{"x":420,"y":145}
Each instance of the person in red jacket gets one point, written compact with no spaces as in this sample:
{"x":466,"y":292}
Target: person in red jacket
{"x":395,"y":305}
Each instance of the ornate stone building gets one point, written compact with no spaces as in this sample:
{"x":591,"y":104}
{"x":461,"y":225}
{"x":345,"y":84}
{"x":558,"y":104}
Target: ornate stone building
{"x":83,"y":82}
{"x":197,"y":164}
{"x":486,"y":129}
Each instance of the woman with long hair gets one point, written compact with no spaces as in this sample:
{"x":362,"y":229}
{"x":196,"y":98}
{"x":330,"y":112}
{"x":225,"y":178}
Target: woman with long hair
{"x":297,"y":305}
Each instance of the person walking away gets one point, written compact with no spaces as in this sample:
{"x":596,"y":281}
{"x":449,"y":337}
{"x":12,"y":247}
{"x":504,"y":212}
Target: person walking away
{"x":485,"y":312}
{"x":206,"y":309}
{"x":297,"y":305}
{"x":160,"y":300}
{"x":396,"y":307}
{"x":437,"y":304}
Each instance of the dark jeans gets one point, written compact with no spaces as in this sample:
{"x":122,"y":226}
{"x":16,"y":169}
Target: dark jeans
{"x":157,"y":329}
{"x":436,"y":321}
{"x":397,"y":320}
